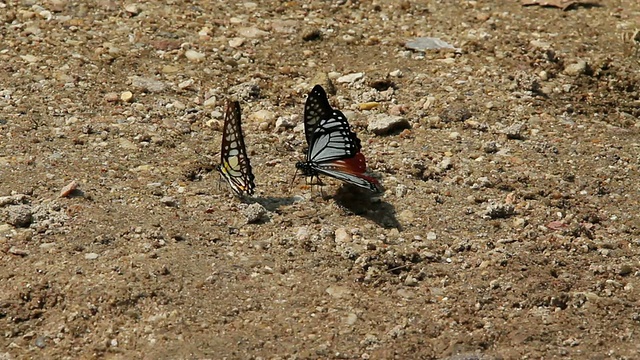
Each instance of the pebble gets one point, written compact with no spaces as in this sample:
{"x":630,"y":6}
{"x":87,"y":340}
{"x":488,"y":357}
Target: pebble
{"x":342,"y":236}
{"x":210,"y":102}
{"x":350,"y":78}
{"x":147,"y":84}
{"x":19,"y":215}
{"x":263,"y":126}
{"x":254,"y":213}
{"x":368,"y":105}
{"x":515,"y":131}
{"x":186,"y":84}
{"x":30,"y":58}
{"x":111,"y":97}
{"x":428,"y":103}
{"x":263,"y":116}
{"x":337,"y":291}
{"x":431,"y":236}
{"x":193,"y":55}
{"x":169,"y":201}
{"x":251,"y":32}
{"x":126,"y":96}
{"x":285,"y":122}
{"x":91,"y":256}
{"x":132,"y":9}
{"x":67,"y":190}
{"x":324,"y":79}
{"x":576,"y":69}
{"x":410,"y":281}
{"x":401,"y":190}
{"x":236,"y":42}
{"x":499,"y":210}
{"x":350,"y":319}
{"x":427,"y":43}
{"x":383,"y":123}
{"x":19,"y":252}
{"x":490,"y":147}
{"x":311,"y":35}
{"x":406,"y":216}
{"x":396,"y":73}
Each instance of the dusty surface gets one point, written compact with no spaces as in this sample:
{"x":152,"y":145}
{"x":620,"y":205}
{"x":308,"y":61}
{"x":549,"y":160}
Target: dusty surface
{"x":509,"y":228}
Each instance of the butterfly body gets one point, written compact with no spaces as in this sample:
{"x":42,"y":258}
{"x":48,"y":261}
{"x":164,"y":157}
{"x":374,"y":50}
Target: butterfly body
{"x":234,"y":163}
{"x":334,"y":150}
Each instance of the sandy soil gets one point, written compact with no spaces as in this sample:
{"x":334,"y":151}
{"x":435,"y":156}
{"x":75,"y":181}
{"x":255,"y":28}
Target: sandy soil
{"x":509,"y":227}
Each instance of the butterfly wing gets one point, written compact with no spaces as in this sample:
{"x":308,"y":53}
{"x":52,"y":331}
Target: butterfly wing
{"x":350,"y":170}
{"x":332,"y":139}
{"x":234,"y":163}
{"x":334,"y":150}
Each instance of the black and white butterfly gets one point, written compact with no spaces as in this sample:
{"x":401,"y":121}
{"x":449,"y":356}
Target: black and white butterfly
{"x":334,"y":150}
{"x":234,"y":163}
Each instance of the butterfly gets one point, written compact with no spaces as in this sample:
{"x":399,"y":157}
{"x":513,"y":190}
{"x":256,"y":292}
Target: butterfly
{"x":334,"y":150}
{"x":234,"y":163}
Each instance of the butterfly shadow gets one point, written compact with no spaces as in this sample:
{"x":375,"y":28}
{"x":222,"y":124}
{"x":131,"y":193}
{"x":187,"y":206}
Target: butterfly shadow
{"x":369,"y":205}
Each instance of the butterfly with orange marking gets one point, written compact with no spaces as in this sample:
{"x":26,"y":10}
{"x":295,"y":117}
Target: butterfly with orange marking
{"x":334,"y":150}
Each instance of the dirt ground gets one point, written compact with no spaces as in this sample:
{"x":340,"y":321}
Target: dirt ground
{"x":509,"y":226}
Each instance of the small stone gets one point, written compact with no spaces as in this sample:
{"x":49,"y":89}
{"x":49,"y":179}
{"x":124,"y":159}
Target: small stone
{"x":410,"y":281}
{"x":126,"y":96}
{"x":252,"y":32}
{"x":576,"y":69}
{"x":383,"y":124}
{"x":499,"y":210}
{"x":338,"y":292}
{"x":350,"y":319}
{"x":454,"y":135}
{"x":490,"y":147}
{"x":368,"y":105}
{"x":285,"y":122}
{"x":401,"y":190}
{"x":263,"y":126}
{"x":263,"y":116}
{"x":19,"y":252}
{"x":323,"y":79}
{"x":311,"y":35}
{"x":91,"y":256}
{"x":431,"y":236}
{"x":111,"y":97}
{"x":19,"y":215}
{"x":396,"y":73}
{"x":170,"y":69}
{"x":41,"y":342}
{"x":210,"y":102}
{"x":303,"y":233}
{"x":169,"y":201}
{"x":625,"y":270}
{"x":254,"y":213}
{"x":342,"y":236}
{"x":132,"y":9}
{"x":397,"y":110}
{"x":350,"y":78}
{"x":406,"y":216}
{"x":186,"y":84}
{"x":515,"y":131}
{"x":455,"y":114}
{"x":30,"y":58}
{"x":193,"y":55}
{"x":236,"y":42}
{"x":67,"y":190}
{"x":147,"y":84}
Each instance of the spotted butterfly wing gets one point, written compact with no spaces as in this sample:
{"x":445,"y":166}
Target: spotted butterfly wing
{"x":234,"y":163}
{"x":334,"y":150}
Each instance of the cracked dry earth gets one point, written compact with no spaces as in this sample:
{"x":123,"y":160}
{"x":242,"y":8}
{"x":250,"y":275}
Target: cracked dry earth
{"x":508,"y":229}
